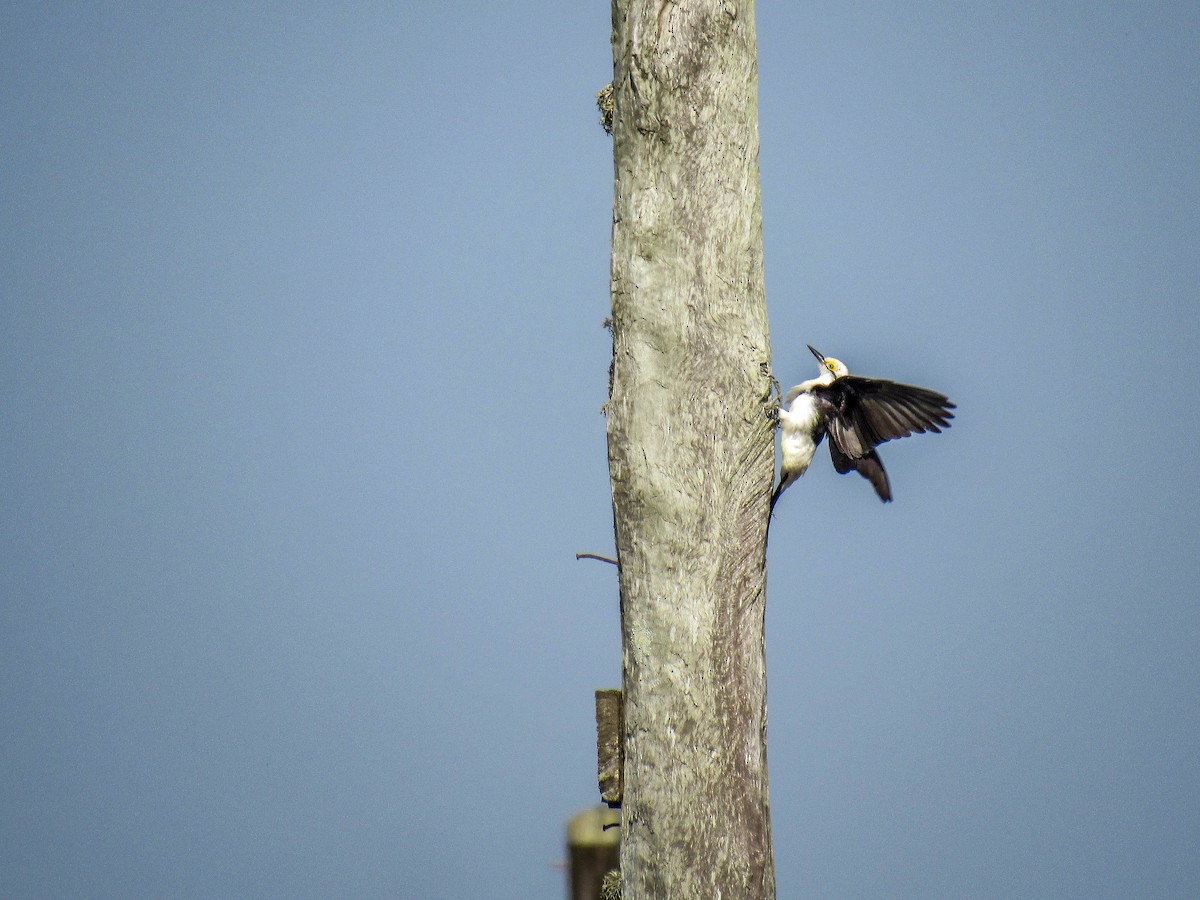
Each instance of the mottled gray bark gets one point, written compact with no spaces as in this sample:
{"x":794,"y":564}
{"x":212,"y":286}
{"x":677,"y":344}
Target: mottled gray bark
{"x":690,"y":442}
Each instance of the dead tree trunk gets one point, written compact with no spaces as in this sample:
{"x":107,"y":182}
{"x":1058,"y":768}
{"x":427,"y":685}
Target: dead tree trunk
{"x":690,"y":443}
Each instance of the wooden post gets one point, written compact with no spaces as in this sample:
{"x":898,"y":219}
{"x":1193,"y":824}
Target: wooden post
{"x":691,"y":449}
{"x":593,"y":851}
{"x":609,"y":746}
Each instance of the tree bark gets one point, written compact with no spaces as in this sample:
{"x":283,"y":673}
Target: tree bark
{"x":691,"y":449}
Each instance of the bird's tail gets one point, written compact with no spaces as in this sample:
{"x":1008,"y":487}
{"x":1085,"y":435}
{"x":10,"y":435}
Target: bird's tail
{"x":784,"y":481}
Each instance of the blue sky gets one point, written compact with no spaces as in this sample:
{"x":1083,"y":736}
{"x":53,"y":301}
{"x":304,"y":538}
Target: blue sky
{"x":301,"y":361}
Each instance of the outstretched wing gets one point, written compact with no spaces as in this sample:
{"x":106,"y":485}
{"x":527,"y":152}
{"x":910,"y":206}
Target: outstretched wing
{"x":862,"y":413}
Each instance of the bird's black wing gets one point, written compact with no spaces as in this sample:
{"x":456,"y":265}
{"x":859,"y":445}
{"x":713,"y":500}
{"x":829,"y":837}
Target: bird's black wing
{"x":862,"y":413}
{"x":869,"y":467}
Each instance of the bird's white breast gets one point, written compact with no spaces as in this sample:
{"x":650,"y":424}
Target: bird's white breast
{"x":796,"y":426}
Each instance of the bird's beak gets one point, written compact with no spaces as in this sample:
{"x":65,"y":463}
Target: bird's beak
{"x":817,"y":354}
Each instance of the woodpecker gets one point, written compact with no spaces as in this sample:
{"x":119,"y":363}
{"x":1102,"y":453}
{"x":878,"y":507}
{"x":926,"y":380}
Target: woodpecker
{"x":858,"y":414}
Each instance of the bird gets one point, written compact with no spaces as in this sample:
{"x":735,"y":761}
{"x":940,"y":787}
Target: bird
{"x":858,"y":414}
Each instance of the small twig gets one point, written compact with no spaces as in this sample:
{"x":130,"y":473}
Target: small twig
{"x":595,"y":556}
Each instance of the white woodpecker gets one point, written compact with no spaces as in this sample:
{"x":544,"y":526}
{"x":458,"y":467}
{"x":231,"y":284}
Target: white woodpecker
{"x":858,"y":414}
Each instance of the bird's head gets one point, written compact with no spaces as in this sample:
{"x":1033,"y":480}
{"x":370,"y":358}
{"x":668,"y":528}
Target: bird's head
{"x":830,"y":368}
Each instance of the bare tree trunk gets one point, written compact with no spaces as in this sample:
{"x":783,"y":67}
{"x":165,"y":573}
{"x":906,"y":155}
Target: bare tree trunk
{"x":691,"y":447}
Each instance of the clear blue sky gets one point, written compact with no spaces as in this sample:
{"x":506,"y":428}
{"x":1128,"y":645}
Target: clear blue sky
{"x":301,"y":362}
